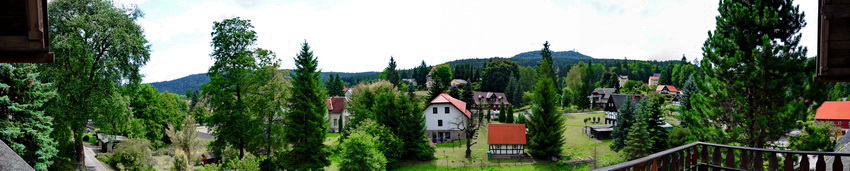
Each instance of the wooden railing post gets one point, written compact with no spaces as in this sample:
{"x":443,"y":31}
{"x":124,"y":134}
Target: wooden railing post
{"x":717,"y":156}
{"x":804,"y":162}
{"x":773,"y":164}
{"x":730,"y":158}
{"x":693,"y":158}
{"x":745,"y":159}
{"x":821,"y":164}
{"x":704,"y":157}
{"x":836,"y":164}
{"x":757,"y":161}
{"x":789,"y":162}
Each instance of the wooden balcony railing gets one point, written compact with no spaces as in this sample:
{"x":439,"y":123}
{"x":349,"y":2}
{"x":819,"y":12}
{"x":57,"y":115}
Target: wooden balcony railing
{"x":707,"y":156}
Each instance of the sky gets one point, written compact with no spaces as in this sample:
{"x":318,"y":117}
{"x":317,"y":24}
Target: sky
{"x":362,"y":35}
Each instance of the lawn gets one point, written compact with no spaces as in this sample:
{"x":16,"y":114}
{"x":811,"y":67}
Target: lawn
{"x":579,"y":145}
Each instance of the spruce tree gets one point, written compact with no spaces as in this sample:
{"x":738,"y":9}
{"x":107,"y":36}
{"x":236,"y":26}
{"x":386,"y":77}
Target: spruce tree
{"x":638,"y":142}
{"x":623,"y":125}
{"x":753,"y":73}
{"x":546,"y":126}
{"x":502,"y":113}
{"x":306,"y":125}
{"x":650,"y":112}
{"x":510,"y":118}
{"x":23,"y":124}
{"x":391,"y":74}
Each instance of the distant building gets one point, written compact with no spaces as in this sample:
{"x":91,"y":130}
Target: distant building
{"x":490,"y":100}
{"x":336,"y":111}
{"x":599,"y":132}
{"x":458,"y":82}
{"x":505,"y":140}
{"x":600,"y":96}
{"x":666,"y":89}
{"x":612,"y":107}
{"x":347,"y":92}
{"x":429,"y":80}
{"x":445,"y":119}
{"x":410,"y":81}
{"x":653,"y":80}
{"x":835,"y":112}
{"x":623,"y":79}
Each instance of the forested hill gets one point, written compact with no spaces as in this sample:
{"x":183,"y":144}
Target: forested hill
{"x":195,"y":81}
{"x":561,"y":54}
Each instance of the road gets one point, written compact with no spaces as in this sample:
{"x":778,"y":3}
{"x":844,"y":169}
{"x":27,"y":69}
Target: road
{"x":91,"y":160}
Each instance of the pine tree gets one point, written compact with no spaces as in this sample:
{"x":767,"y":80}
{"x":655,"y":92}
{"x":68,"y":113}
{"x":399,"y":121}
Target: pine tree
{"x":510,"y":118}
{"x":753,"y":73}
{"x":391,"y":74}
{"x":638,"y":143}
{"x":650,"y":112}
{"x":546,"y":127}
{"x":502,"y":113}
{"x":306,"y":126}
{"x":23,"y":123}
{"x":623,"y":125}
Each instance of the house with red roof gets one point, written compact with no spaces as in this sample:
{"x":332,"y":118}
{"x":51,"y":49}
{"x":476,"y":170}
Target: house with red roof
{"x":666,"y":89}
{"x":336,"y":111}
{"x":653,"y":80}
{"x":506,"y":139}
{"x":445,"y":119}
{"x":836,"y":112}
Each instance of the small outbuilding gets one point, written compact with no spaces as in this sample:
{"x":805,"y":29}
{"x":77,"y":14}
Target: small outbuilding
{"x":506,"y":140}
{"x":600,"y":132}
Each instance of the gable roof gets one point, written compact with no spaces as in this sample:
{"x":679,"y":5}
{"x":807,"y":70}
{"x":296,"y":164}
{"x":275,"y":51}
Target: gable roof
{"x":336,"y":104}
{"x":480,"y":97}
{"x":619,"y":99}
{"x":506,"y":134}
{"x":834,"y":110}
{"x":9,"y":160}
{"x":669,"y":88}
{"x":654,"y":78}
{"x":446,"y":98}
{"x":606,"y":93}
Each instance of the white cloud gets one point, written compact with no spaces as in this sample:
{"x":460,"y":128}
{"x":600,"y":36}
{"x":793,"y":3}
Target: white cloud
{"x":361,"y":35}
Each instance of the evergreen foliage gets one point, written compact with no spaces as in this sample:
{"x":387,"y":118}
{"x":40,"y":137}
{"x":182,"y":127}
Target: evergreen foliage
{"x":307,"y":125}
{"x":497,"y":74}
{"x":334,"y":85}
{"x":639,"y":142}
{"x":442,"y":76}
{"x":546,"y":126}
{"x":752,"y":71}
{"x":390,"y":73}
{"x":625,"y":119}
{"x":23,"y":124}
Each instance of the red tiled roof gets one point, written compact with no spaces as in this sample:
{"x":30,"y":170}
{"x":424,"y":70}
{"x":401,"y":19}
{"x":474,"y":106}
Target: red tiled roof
{"x":834,"y":110}
{"x":654,"y":78}
{"x":506,"y":134}
{"x":345,"y":89}
{"x":336,"y":104}
{"x":446,"y":98}
{"x":669,"y":88}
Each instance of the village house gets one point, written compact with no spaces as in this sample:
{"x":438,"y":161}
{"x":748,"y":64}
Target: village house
{"x":622,"y":80}
{"x":458,"y":83}
{"x":600,"y":96}
{"x":506,"y":140}
{"x":347,"y":92}
{"x":653,"y":80}
{"x":445,"y":119}
{"x":835,"y":112}
{"x":612,"y":106}
{"x":666,"y":89}
{"x":336,"y":111}
{"x":490,"y":100}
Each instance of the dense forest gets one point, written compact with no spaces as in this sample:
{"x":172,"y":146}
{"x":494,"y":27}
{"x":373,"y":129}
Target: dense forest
{"x":195,"y":81}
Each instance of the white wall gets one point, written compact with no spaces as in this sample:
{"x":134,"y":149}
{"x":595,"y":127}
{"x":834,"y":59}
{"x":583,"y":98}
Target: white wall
{"x":454,"y":114}
{"x":503,"y":146}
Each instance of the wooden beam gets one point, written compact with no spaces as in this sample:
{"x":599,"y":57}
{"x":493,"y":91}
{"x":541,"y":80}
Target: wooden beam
{"x":26,"y":57}
{"x":835,"y":9}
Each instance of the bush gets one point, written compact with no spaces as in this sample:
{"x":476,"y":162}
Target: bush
{"x":133,"y":154}
{"x":360,"y":152}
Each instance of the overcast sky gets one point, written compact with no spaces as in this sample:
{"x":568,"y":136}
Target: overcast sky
{"x":361,"y":35}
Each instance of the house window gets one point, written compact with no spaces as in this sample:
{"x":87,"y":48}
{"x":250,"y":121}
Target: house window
{"x":447,"y":110}
{"x":448,"y":135}
{"x":334,"y":123}
{"x":439,"y":122}
{"x":435,"y":110}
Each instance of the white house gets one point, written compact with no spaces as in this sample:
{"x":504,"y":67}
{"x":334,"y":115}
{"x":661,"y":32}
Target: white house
{"x":336,"y":111}
{"x":445,"y":119}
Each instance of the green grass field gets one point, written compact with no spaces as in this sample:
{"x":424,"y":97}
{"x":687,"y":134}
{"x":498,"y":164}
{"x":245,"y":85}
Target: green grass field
{"x":451,"y":156}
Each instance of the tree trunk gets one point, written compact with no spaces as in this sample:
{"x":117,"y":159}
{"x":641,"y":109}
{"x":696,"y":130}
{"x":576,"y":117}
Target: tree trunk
{"x":81,"y":153}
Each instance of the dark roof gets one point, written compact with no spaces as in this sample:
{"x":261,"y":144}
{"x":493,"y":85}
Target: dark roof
{"x":606,"y":93}
{"x":478,"y":96}
{"x":9,"y":160}
{"x":336,"y":105}
{"x":619,"y":99}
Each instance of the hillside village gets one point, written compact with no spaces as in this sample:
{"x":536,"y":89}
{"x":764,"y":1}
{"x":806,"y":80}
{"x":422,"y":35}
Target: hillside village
{"x":74,"y":100}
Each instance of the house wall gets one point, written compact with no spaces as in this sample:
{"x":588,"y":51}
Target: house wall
{"x":515,"y":149}
{"x":333,"y":124}
{"x":843,"y":124}
{"x":454,"y":116}
{"x":450,"y":130}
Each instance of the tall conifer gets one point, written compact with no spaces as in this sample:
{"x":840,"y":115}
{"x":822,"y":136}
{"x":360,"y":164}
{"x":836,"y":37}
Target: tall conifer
{"x":306,"y":125}
{"x":546,"y":126}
